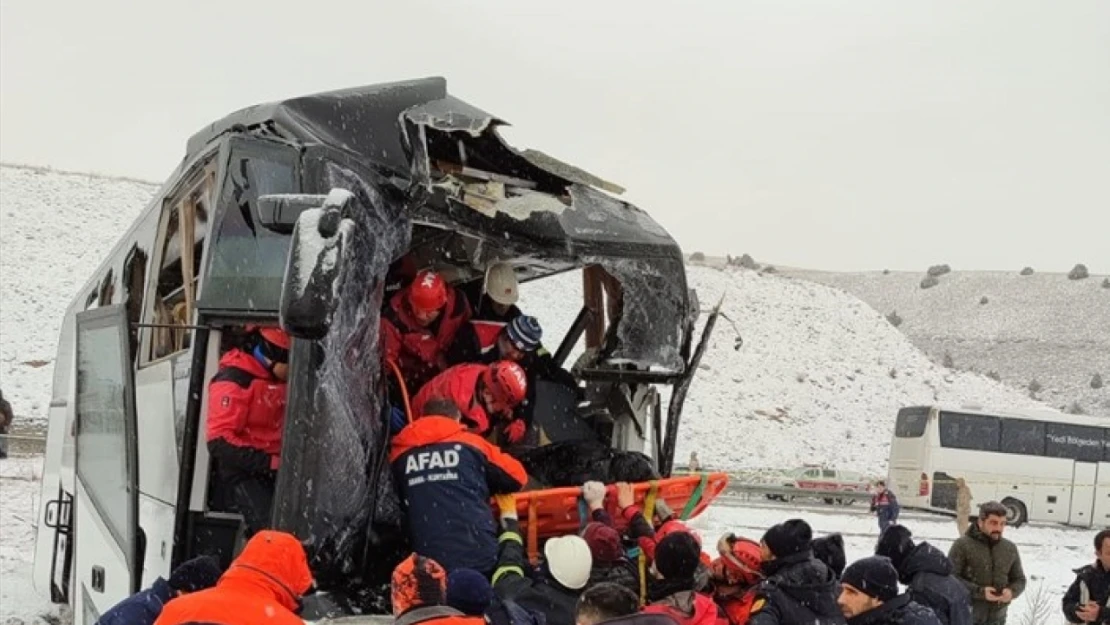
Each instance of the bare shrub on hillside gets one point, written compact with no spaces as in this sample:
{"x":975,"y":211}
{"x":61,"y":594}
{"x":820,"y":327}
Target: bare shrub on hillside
{"x":770,"y":269}
{"x":1096,"y":381}
{"x":929,"y":282}
{"x":1078,"y":272}
{"x":983,"y":301}
{"x":697,"y":257}
{"x":1106,"y":283}
{"x":948,"y":362}
{"x":747,"y":262}
{"x":938,"y":270}
{"x":894,"y":319}
{"x":1040,"y":609}
{"x":1034,"y":387}
{"x":1028,"y":271}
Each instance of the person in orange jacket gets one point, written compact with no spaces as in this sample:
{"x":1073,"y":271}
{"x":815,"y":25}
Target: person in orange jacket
{"x":265,"y":584}
{"x":483,"y":393}
{"x":445,"y":477}
{"x":418,"y":592}
{"x":734,"y":577}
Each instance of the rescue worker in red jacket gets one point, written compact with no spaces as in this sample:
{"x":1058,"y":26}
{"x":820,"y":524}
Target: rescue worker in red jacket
{"x":265,"y":584}
{"x":735,"y":575}
{"x":483,"y":393}
{"x":664,"y":523}
{"x":246,"y":417}
{"x":445,"y":477}
{"x":677,"y":558}
{"x":420,"y":324}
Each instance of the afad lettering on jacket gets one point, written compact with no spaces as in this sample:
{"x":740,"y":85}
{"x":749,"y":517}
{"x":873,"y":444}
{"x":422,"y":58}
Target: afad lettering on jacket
{"x":432,"y":466}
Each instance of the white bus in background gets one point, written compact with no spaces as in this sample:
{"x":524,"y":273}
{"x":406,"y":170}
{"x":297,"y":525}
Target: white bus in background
{"x":1043,"y":466}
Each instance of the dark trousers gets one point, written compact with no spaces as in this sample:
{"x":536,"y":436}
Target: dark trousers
{"x":246,"y":475}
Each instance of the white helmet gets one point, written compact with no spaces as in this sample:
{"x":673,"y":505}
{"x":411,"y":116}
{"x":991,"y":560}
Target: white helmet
{"x":501,"y":284}
{"x":569,"y":560}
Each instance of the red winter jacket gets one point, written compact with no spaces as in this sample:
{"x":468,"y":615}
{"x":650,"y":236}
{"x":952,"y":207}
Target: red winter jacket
{"x":246,"y":405}
{"x":738,"y":607}
{"x":459,"y":384}
{"x":420,"y":352}
{"x":689,"y":608}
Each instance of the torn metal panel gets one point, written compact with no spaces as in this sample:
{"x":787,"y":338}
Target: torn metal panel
{"x":451,"y":114}
{"x":570,"y":172}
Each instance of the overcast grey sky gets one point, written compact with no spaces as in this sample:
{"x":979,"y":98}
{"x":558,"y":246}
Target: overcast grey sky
{"x":833,"y":134}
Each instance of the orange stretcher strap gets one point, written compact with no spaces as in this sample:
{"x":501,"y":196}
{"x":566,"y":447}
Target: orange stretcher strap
{"x":533,"y":532}
{"x":649,"y":514}
{"x":404,"y":388}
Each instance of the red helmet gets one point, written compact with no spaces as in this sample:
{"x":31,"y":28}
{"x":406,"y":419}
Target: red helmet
{"x":506,"y":380}
{"x":742,"y":558}
{"x":274,"y":336}
{"x":428,"y":291}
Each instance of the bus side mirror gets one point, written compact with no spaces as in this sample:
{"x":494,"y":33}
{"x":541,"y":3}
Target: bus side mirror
{"x":322,"y":240}
{"x":279,"y":212}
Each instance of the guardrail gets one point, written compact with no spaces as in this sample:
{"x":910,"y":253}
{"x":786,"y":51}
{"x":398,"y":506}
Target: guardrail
{"x":735,"y":488}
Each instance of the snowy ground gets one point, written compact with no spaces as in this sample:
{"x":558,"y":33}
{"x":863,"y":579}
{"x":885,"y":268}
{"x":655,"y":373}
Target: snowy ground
{"x":1048,"y":552}
{"x":19,"y":501}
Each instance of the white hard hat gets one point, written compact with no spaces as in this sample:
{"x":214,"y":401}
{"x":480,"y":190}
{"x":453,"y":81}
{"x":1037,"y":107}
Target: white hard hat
{"x":569,"y":560}
{"x":501,"y":284}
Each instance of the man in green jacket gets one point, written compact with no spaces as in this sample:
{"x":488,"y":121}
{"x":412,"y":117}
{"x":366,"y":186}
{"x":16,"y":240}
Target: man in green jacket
{"x":989,"y":565}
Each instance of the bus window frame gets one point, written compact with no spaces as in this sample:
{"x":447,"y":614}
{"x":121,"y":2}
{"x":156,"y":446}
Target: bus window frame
{"x":204,"y":171}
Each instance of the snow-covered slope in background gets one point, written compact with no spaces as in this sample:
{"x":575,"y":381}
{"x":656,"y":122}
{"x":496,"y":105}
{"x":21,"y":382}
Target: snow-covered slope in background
{"x":55,"y":228}
{"x":1041,"y":327}
{"x":819,"y":378}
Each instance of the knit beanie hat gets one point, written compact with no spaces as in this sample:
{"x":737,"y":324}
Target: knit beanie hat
{"x":788,"y":538}
{"x":677,"y":556}
{"x":896,"y":544}
{"x":469,"y":592}
{"x":874,"y":576}
{"x":524,"y":333}
{"x":604,"y":542}
{"x":196,"y":574}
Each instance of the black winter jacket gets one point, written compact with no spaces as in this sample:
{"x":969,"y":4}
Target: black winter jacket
{"x":1097,"y":581}
{"x":543,"y":595}
{"x":928,"y":574}
{"x":900,"y":610}
{"x":799,"y":590}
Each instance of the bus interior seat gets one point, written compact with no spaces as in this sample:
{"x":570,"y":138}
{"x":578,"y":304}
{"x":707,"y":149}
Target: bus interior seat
{"x":556,"y":417}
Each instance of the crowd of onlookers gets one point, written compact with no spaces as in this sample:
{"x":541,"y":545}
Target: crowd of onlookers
{"x":651,"y":572}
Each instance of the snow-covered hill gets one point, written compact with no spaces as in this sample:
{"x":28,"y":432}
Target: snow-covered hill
{"x":1021,"y":328}
{"x":819,"y":378}
{"x":55,"y":228}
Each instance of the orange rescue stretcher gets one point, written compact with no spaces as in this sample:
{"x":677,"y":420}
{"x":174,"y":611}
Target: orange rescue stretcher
{"x":554,"y":512}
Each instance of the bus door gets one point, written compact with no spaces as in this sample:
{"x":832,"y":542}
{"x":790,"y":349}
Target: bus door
{"x":107,"y":537}
{"x":1083,"y":493}
{"x":1101,"y":516}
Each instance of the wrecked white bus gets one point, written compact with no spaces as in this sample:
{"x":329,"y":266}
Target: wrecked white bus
{"x":292,"y":213}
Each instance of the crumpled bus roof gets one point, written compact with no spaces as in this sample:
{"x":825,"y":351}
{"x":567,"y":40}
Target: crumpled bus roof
{"x":401,"y":128}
